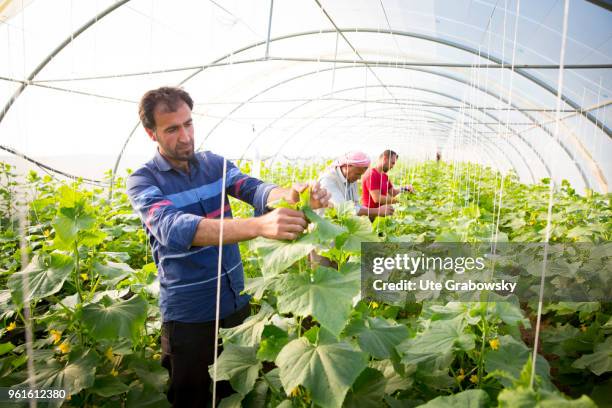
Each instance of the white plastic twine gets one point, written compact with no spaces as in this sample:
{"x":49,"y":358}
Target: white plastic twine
{"x":23,"y":246}
{"x":22,"y":216}
{"x":550,"y":193}
{"x":499,"y":100}
{"x":219,"y":269}
{"x":508,"y":108}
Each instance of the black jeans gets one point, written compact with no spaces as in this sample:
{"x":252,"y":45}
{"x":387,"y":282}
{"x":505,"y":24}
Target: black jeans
{"x":187,"y":351}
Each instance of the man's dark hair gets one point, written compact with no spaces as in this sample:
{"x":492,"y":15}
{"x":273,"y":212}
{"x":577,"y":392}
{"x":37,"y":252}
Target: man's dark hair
{"x":170,"y":97}
{"x":389,"y":153}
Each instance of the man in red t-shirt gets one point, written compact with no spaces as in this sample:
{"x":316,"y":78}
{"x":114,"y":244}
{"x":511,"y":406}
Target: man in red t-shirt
{"x":377,"y":188}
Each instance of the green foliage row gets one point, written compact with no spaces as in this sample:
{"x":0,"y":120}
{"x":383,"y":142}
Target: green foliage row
{"x":92,"y":294}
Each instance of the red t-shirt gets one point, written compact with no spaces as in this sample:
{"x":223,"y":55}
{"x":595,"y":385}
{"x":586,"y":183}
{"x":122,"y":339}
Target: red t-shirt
{"x":374,"y":180}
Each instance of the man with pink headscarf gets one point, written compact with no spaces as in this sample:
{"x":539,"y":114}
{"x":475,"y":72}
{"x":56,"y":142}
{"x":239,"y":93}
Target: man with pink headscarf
{"x":340,"y":181}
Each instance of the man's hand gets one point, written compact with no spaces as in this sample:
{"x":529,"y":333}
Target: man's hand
{"x":282,"y":223}
{"x":385,"y":210}
{"x":319,"y":197}
{"x":407,"y":188}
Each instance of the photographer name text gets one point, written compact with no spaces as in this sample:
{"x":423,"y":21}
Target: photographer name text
{"x":452,"y":285}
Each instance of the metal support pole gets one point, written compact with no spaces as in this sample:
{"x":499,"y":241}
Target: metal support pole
{"x":269,"y":29}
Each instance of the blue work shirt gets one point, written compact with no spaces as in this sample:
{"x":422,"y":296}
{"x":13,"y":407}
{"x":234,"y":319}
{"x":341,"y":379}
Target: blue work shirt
{"x":170,"y":204}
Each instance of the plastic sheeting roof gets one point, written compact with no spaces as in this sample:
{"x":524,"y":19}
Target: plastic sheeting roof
{"x":312,"y":79}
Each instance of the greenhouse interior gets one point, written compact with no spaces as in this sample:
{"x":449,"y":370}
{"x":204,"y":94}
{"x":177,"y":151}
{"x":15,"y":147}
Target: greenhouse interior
{"x":307,"y":203}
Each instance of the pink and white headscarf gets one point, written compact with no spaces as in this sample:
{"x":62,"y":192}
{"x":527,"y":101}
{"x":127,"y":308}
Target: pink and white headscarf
{"x":357,"y":159}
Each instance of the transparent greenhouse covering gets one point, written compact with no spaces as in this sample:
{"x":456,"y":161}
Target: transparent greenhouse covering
{"x":283,"y":80}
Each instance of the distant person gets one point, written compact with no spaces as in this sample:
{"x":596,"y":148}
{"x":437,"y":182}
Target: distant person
{"x":438,"y":156}
{"x":377,"y":188}
{"x":340,"y":181}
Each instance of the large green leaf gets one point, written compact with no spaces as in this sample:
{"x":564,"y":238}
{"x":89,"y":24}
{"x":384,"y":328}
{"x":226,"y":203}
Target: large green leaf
{"x":257,"y":286}
{"x":113,"y":272}
{"x":277,"y":256}
{"x":325,"y":229}
{"x":327,"y":296}
{"x":394,"y":380}
{"x":110,"y":319}
{"x":600,"y":361}
{"x":72,"y":220}
{"x":69,"y":196}
{"x":367,"y":391}
{"x":249,"y":332}
{"x":517,"y":398}
{"x":233,"y":401}
{"x":144,"y":396}
{"x":92,"y":238}
{"x":327,"y":369}
{"x":510,"y":357}
{"x":377,"y":336}
{"x":107,"y":386}
{"x":239,"y":365}
{"x":509,"y":312}
{"x":6,"y":347}
{"x":441,"y":338}
{"x":359,"y":230}
{"x":78,"y":374}
{"x":272,"y":342}
{"x":150,"y":373}
{"x":523,"y":397}
{"x":258,"y":397}
{"x":465,"y":399}
{"x":45,"y":275}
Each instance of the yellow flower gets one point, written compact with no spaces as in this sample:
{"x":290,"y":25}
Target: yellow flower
{"x":156,"y":356}
{"x":84,"y":276}
{"x":114,"y":372}
{"x":46,"y":233}
{"x":11,"y":326}
{"x":294,"y":392}
{"x":109,"y":354}
{"x":461,"y":375}
{"x":64,"y":347}
{"x":375,"y":305}
{"x":474,"y":379}
{"x":56,"y":335}
{"x":494,"y":343}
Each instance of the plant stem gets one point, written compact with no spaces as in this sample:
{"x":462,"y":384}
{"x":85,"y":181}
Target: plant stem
{"x":78,"y":284}
{"x":482,"y":348}
{"x":18,"y":311}
{"x":76,"y":271}
{"x":456,"y":379}
{"x":93,"y":288}
{"x":299,"y":329}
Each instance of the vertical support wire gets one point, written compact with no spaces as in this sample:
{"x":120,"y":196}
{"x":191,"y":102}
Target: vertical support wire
{"x":22,"y":217}
{"x":269,"y":30}
{"x":22,"y":211}
{"x":508,"y":109}
{"x":218,"y":294}
{"x":499,"y":101}
{"x":551,"y":191}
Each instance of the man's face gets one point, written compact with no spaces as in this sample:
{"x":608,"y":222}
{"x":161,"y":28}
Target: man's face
{"x":354,"y":173}
{"x":173,"y":132}
{"x":388,"y":162}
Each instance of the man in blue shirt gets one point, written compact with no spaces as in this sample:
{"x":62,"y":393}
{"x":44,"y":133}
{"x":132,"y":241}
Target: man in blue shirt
{"x":180,"y":196}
